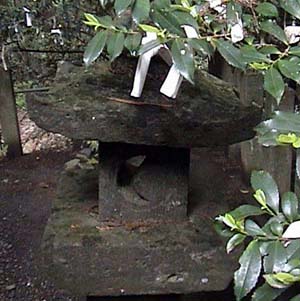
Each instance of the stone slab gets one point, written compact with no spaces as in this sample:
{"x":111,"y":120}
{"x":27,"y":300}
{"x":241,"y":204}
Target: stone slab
{"x":92,"y":259}
{"x":94,"y":103}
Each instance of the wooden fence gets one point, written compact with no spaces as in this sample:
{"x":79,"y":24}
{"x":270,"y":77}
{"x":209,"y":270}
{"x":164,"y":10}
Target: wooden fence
{"x":278,"y":161}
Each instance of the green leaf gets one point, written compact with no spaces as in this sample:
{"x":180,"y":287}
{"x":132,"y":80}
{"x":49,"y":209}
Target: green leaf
{"x":292,"y":265}
{"x":233,"y":12}
{"x":285,"y":278}
{"x":161,"y":4}
{"x":296,"y":298}
{"x":222,"y":230}
{"x":269,"y":49}
{"x":183,"y":60}
{"x":91,"y":20}
{"x":263,"y":180}
{"x":293,"y":249}
{"x":234,"y":241}
{"x":185,"y":18}
{"x":292,"y":7}
{"x":230,"y":53}
{"x":289,"y":205}
{"x":121,"y":5}
{"x":132,"y":43}
{"x":250,"y":54}
{"x":290,"y":138}
{"x":245,"y":278}
{"x":245,"y":211}
{"x":253,"y":228}
{"x":267,"y":9}
{"x":149,"y":28}
{"x":295,"y":272}
{"x":148,"y":46}
{"x":260,"y":197}
{"x":266,"y":292}
{"x":202,"y":46}
{"x":276,"y":228}
{"x":290,"y":70}
{"x":276,"y":259}
{"x":115,"y":45}
{"x":274,"y":84}
{"x":95,"y":47}
{"x":274,"y":29}
{"x":106,"y":21}
{"x":274,"y":283}
{"x":271,"y":225}
{"x":263,"y":247}
{"x":282,"y":122}
{"x":166,"y":20}
{"x":295,"y":50}
{"x":228,"y":220}
{"x":141,"y":10}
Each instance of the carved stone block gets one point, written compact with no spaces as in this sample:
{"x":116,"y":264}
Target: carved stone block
{"x":156,"y":189}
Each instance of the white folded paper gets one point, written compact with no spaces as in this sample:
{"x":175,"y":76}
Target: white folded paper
{"x":173,"y":80}
{"x":293,"y":34}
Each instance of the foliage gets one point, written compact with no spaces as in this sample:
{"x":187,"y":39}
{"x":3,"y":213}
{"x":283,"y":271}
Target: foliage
{"x":249,"y":34}
{"x":273,"y":249}
{"x":55,"y":34}
{"x":54,"y":25}
{"x":282,"y":129}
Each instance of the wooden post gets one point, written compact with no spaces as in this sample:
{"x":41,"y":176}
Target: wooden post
{"x":276,"y":160}
{"x":8,"y":115}
{"x":297,"y":153}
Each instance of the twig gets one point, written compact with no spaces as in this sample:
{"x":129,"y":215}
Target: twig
{"x":138,"y":103}
{"x":42,"y":89}
{"x":3,"y":58}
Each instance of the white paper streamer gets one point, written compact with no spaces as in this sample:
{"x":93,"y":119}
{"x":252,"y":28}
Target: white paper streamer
{"x":293,"y":231}
{"x":237,"y":33}
{"x":143,"y":65}
{"x":174,"y":79}
{"x":28,"y":19}
{"x":172,"y":83}
{"x":293,"y":34}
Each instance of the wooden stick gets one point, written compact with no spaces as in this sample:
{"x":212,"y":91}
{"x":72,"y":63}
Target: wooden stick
{"x":42,"y":89}
{"x":139,"y":103}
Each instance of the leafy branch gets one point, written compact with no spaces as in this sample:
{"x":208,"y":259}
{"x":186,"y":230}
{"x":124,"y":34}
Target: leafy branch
{"x":248,"y":34}
{"x":273,"y":250}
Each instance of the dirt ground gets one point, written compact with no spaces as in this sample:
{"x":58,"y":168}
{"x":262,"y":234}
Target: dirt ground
{"x":27,"y":186}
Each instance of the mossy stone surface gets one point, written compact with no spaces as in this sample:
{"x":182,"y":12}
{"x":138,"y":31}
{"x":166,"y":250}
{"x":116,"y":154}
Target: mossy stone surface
{"x":94,"y":103}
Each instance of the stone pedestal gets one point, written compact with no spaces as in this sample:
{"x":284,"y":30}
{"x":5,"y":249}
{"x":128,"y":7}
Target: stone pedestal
{"x":141,"y":241}
{"x":156,"y":189}
{"x":88,"y":257}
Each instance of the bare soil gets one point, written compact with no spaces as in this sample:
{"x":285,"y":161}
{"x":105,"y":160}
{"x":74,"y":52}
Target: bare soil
{"x":27,"y":187}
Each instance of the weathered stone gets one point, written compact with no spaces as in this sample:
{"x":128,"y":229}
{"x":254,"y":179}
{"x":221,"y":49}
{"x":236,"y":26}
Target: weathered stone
{"x":90,"y":258}
{"x":94,"y":103}
{"x":78,"y":181}
{"x":156,"y":190}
